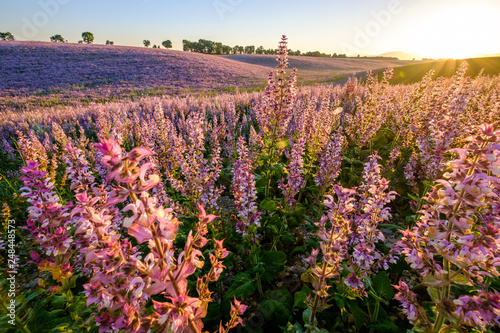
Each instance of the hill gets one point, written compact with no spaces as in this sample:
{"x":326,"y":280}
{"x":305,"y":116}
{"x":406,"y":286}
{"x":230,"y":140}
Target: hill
{"x":106,"y":72}
{"x":402,"y":55}
{"x":317,"y":70}
{"x":446,"y":68}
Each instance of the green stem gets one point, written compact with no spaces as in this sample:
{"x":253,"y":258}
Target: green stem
{"x":375,"y":315}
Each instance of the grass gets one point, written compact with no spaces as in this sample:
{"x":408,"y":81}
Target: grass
{"x":415,"y":73}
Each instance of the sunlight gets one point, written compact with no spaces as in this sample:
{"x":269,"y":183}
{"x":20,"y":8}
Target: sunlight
{"x":462,"y":31}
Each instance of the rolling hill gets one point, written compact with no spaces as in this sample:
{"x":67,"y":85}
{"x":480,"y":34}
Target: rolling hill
{"x":414,"y":73}
{"x":318,"y":70}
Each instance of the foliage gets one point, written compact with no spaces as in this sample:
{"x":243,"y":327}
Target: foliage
{"x":87,"y":37}
{"x":57,"y":39}
{"x":167,"y":44}
{"x":6,"y":36}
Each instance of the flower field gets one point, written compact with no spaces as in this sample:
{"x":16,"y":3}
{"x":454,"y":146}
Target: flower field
{"x":363,"y":207}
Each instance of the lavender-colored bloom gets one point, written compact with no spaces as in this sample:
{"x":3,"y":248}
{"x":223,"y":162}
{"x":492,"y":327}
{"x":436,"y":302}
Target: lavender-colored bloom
{"x":295,"y":182}
{"x":243,"y":188}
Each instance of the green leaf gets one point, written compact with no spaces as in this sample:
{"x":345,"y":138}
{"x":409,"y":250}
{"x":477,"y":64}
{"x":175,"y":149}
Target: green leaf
{"x":288,"y":237}
{"x":312,"y":244}
{"x":268,"y":204}
{"x":274,"y":263}
{"x":298,"y":250}
{"x":430,"y":281}
{"x":382,"y":285}
{"x":242,"y":286}
{"x":306,"y":315}
{"x":359,"y":315}
{"x":295,"y":328}
{"x":299,"y":299}
{"x":385,"y":326}
{"x":283,"y":143}
{"x":278,"y":307}
{"x":273,"y":310}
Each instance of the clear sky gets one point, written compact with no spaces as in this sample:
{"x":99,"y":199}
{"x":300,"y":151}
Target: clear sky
{"x":435,"y":28}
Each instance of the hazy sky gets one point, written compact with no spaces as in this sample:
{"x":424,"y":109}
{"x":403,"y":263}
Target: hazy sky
{"x":436,"y":28}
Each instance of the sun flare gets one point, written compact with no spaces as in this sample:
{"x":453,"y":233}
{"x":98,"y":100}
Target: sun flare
{"x":462,"y":31}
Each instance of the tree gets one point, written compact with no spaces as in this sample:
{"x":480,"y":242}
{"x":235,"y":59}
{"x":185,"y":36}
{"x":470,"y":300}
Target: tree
{"x":250,"y":49}
{"x":109,"y":42}
{"x":146,"y":43}
{"x":88,"y":37}
{"x":186,"y":45}
{"x":260,"y":50}
{"x":6,"y":36}
{"x":167,"y":44}
{"x":57,"y":39}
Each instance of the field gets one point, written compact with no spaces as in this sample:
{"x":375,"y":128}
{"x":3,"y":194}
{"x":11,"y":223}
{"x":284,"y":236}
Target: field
{"x":320,"y":70}
{"x":142,"y":192}
{"x":445,"y":68}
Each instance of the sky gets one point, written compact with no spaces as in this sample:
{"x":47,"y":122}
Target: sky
{"x":431,"y":28}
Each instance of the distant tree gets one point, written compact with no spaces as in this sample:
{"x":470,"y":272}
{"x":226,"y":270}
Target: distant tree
{"x":109,"y":42}
{"x":146,"y":43}
{"x":235,"y":49}
{"x":6,"y":36}
{"x":186,"y":45}
{"x":260,"y":50}
{"x":88,"y":37}
{"x":250,"y":49}
{"x":154,"y":46}
{"x":80,"y":42}
{"x":57,"y":39}
{"x":241,"y":49}
{"x":217,"y":48}
{"x":226,"y":49}
{"x":167,"y":44}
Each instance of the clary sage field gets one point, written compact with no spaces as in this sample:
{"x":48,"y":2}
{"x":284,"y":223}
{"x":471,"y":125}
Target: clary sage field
{"x":365,"y":207}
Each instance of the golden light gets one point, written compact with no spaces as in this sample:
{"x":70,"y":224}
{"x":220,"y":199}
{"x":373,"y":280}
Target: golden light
{"x":463,"y":30}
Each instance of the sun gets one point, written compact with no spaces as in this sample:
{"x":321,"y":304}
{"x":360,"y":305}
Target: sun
{"x":462,"y":30}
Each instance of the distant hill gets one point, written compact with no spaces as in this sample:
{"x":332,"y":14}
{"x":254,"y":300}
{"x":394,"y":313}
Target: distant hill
{"x":446,"y":68}
{"x":317,"y":70}
{"x":403,"y":55}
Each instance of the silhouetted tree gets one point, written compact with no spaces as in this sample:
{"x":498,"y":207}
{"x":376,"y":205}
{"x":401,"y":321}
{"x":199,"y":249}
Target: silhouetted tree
{"x":109,"y":42}
{"x":57,"y":39}
{"x":167,"y":44}
{"x":6,"y":36}
{"x":88,"y":37}
{"x":249,"y":49}
{"x":146,"y":43}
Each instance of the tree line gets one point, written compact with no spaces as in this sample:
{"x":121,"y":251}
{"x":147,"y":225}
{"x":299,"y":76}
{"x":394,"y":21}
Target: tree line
{"x":210,"y":47}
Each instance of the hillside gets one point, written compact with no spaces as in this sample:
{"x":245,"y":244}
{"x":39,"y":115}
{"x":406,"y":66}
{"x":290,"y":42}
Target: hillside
{"x":99,"y":72}
{"x":312,"y":69}
{"x":446,"y":68}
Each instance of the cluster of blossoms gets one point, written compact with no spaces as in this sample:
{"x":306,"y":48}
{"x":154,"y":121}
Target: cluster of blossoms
{"x":295,"y":181}
{"x":48,"y":221}
{"x":243,"y":188}
{"x":123,"y":282}
{"x":274,"y":111}
{"x":456,"y":240}
{"x":330,"y":160}
{"x":348,"y":234}
{"x":199,"y":174}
